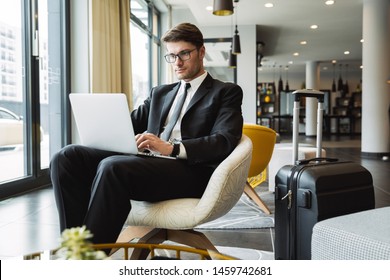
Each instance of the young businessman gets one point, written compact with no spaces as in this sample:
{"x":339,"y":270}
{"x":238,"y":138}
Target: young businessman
{"x":93,"y":187}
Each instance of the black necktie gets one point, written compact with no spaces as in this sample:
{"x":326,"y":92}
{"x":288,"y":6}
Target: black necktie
{"x":175,"y":115}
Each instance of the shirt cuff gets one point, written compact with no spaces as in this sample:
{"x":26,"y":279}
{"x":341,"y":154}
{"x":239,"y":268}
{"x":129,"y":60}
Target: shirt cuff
{"x":183,"y":153}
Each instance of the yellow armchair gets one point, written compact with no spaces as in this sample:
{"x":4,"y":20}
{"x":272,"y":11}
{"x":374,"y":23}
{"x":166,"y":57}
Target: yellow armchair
{"x":263,"y":141}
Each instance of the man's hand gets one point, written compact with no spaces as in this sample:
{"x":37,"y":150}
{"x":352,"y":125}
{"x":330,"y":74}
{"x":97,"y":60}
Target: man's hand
{"x":151,"y":142}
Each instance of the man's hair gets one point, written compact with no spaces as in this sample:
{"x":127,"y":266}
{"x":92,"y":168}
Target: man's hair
{"x":186,"y":32}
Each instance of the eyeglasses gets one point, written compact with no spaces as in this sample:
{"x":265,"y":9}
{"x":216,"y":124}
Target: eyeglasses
{"x":183,"y":55}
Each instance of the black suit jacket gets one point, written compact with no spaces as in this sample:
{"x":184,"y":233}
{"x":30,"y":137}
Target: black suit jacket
{"x":211,"y":126}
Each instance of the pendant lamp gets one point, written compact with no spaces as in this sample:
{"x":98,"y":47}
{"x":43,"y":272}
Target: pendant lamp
{"x":334,"y":78}
{"x":340,"y":82}
{"x":287,"y":86}
{"x":232,"y":60}
{"x":280,"y":84}
{"x":236,"y":38}
{"x":346,"y":86}
{"x":273,"y":80}
{"x":223,"y":7}
{"x":236,"y":42}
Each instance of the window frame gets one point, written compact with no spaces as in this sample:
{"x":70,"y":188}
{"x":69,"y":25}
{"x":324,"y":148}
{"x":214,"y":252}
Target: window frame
{"x":154,"y":75}
{"x":38,"y":177}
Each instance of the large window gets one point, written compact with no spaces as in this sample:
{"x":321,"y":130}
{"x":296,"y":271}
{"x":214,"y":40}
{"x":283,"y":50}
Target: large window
{"x":12,"y":91}
{"x":32,"y":85}
{"x":145,"y":48}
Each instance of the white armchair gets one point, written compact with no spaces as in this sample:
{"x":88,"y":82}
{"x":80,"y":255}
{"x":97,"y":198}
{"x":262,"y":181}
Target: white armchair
{"x":175,"y":219}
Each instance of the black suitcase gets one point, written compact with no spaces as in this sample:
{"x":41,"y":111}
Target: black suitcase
{"x":309,"y":191}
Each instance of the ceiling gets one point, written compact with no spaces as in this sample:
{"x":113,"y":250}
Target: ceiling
{"x":284,"y":26}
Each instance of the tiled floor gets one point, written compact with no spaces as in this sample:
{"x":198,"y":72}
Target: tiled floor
{"x":29,"y":223}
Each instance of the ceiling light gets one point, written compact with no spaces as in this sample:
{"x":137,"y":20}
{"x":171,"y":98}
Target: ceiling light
{"x":329,"y":2}
{"x":268,"y":5}
{"x":303,"y":42}
{"x":362,"y":41}
{"x":346,"y":52}
{"x":223,"y":7}
{"x":314,"y":26}
{"x":296,"y":54}
{"x":209,"y":8}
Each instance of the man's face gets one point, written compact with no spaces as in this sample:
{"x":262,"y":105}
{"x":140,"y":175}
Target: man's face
{"x":191,"y":68}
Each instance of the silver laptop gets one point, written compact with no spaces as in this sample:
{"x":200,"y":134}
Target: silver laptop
{"x":103,"y":122}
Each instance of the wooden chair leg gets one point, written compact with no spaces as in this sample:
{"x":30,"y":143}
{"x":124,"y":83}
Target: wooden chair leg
{"x":130,"y":233}
{"x":249,"y":191}
{"x":149,"y":235}
{"x":191,"y":238}
{"x":156,"y":236}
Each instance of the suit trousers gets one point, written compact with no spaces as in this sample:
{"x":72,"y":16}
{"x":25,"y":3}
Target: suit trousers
{"x":94,"y":187}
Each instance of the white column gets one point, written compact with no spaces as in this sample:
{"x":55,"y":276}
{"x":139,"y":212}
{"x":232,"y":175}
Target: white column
{"x":312,"y":82}
{"x":246,"y":71}
{"x":376,"y":70}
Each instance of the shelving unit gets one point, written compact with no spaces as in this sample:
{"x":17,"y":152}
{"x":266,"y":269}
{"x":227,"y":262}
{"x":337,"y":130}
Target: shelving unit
{"x":275,"y":111}
{"x":346,"y":117}
{"x":266,"y":103}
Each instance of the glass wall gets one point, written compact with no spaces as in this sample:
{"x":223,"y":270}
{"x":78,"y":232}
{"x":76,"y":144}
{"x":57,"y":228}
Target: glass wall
{"x":33,"y":83}
{"x":13,"y":126}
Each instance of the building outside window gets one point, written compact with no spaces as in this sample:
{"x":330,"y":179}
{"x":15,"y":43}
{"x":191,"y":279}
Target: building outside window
{"x":32,"y":90}
{"x":145,"y":48}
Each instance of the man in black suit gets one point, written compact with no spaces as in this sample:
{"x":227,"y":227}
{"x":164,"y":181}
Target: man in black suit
{"x":93,"y":187}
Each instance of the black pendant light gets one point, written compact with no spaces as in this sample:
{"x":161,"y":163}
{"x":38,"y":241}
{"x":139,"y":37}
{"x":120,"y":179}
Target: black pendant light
{"x":223,"y":7}
{"x":334,"y":77}
{"x":273,"y":80}
{"x":280,"y":84}
{"x":346,"y":86}
{"x":232,"y":60}
{"x":236,"y":42}
{"x":236,"y":38}
{"x":287,"y":86}
{"x":232,"y":56}
{"x":340,"y":82}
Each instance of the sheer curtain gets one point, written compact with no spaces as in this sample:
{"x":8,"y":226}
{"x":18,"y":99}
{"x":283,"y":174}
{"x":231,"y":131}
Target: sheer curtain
{"x":111,"y":57}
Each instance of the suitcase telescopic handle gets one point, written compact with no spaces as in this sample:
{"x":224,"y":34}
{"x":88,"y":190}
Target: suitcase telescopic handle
{"x":298,"y":94}
{"x":308,"y":93}
{"x":317,"y":159}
